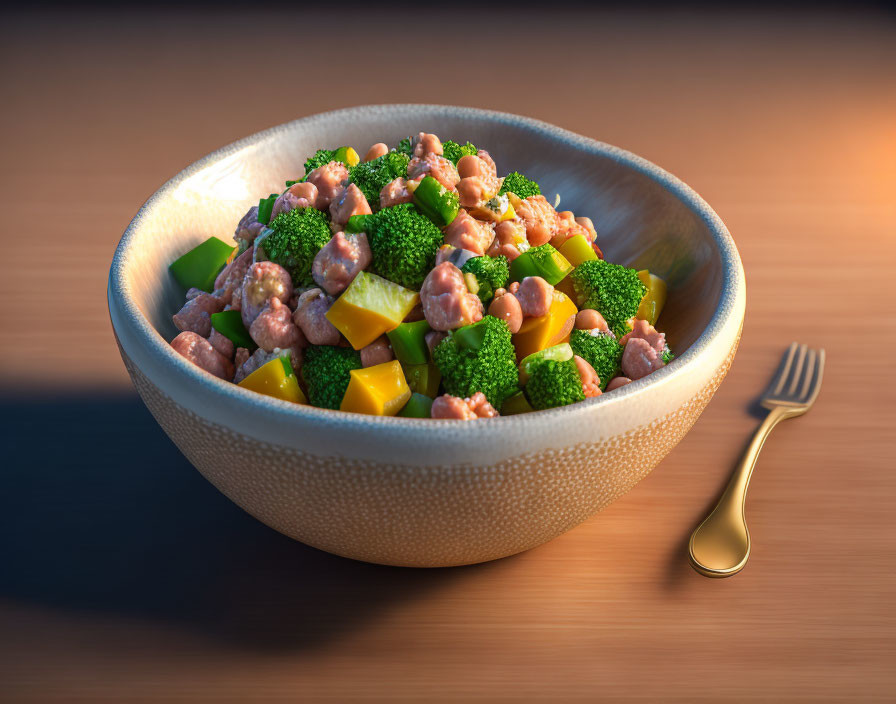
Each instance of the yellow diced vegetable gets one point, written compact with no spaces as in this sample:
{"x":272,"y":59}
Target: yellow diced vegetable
{"x":380,"y":390}
{"x":577,"y":249}
{"x":369,"y":307}
{"x":348,"y":156}
{"x":655,"y":298}
{"x":547,"y":330}
{"x":275,"y":378}
{"x":495,"y":209}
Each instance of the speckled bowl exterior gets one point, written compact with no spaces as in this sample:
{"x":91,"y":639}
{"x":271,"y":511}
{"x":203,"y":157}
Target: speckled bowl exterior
{"x":421,"y":492}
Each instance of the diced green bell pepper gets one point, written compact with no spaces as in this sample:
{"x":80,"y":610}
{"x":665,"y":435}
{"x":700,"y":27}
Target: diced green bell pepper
{"x":436,"y":202}
{"x":230,"y":324}
{"x":423,"y":378}
{"x":543,"y":261}
{"x":199,"y":267}
{"x":358,"y":223}
{"x":266,"y":207}
{"x":516,"y":404}
{"x":418,"y":406}
{"x":408,"y":342}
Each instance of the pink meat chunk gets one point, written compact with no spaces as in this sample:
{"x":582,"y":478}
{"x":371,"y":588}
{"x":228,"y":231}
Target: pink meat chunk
{"x":539,"y":218}
{"x":643,"y":330}
{"x":200,"y":352}
{"x":535,"y":296}
{"x":640,"y":359}
{"x":223,"y":344}
{"x":263,"y":281}
{"x":377,"y":352}
{"x":329,"y":180}
{"x":466,"y":232}
{"x":395,"y":192}
{"x":195,"y":316}
{"x":454,"y":408}
{"x":248,"y":228}
{"x":440,"y":168}
{"x":339,"y":261}
{"x":350,"y":202}
{"x":310,"y":316}
{"x":274,"y":328}
{"x":447,"y":303}
{"x":590,"y":380}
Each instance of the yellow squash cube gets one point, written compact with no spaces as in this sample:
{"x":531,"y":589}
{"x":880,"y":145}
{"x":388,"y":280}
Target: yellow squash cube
{"x":547,"y":330}
{"x":577,"y":249}
{"x":369,"y":307}
{"x":655,"y":298}
{"x":380,"y":390}
{"x":275,"y":378}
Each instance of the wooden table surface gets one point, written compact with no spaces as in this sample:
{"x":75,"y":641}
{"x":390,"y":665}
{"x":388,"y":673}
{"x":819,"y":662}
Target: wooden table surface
{"x":124,"y":576}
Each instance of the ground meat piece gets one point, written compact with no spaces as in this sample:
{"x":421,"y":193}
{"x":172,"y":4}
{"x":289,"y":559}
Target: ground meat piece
{"x":377,"y":352}
{"x":590,"y":319}
{"x":339,"y":261}
{"x":466,"y":232}
{"x":195,"y":316}
{"x":263,"y":281}
{"x":242,"y":354}
{"x":248,"y":228}
{"x":508,"y":235}
{"x":617,"y":382}
{"x":395,"y":192}
{"x":193,"y":292}
{"x":645,"y":331}
{"x":589,"y":227}
{"x":478,"y":179}
{"x":200,"y":352}
{"x":639,"y":359}
{"x":447,"y":303}
{"x":274,"y":328}
{"x":506,"y":307}
{"x":440,"y":168}
{"x":298,"y":195}
{"x":535,"y":296}
{"x":414,"y":314}
{"x":223,"y":344}
{"x":425,"y":143}
{"x":376,"y":151}
{"x":310,"y":316}
{"x":230,"y":280}
{"x":433,"y":338}
{"x":452,"y":407}
{"x":568,"y":227}
{"x":329,"y":180}
{"x":590,"y":380}
{"x":350,"y":202}
{"x":258,"y":359}
{"x":539,"y":218}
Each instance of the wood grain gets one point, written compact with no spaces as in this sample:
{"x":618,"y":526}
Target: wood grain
{"x":128,"y":578}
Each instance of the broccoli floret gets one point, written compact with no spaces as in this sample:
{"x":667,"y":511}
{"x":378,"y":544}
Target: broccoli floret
{"x":554,"y":383}
{"x":403,"y":244}
{"x":515,"y":182}
{"x":325,"y":371}
{"x":602,"y":351}
{"x":667,"y":355}
{"x":371,"y":176}
{"x":321,"y":157}
{"x":454,"y":151}
{"x":491,"y":273}
{"x":297,"y":237}
{"x":478,"y":357}
{"x":613,"y":290}
{"x":405,"y":147}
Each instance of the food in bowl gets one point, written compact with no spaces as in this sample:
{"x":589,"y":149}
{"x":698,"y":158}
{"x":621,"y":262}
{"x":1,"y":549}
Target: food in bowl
{"x":417,"y":283}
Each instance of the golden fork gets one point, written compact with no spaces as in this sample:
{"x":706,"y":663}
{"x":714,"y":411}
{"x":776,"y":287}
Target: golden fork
{"x":720,"y":546}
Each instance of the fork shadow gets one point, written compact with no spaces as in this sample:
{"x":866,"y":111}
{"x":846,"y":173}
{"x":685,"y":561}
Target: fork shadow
{"x":100,"y":513}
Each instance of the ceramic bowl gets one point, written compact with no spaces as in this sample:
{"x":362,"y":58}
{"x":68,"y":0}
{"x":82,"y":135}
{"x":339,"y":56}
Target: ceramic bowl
{"x":421,"y":492}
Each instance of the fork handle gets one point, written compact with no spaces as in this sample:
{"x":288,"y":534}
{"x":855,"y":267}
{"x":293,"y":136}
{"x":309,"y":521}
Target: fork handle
{"x":720,"y":546}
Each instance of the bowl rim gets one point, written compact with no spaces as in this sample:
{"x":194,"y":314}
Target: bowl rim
{"x":733,"y":280}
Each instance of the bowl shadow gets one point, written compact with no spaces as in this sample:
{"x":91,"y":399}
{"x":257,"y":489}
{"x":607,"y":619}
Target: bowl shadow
{"x":101,"y":513}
